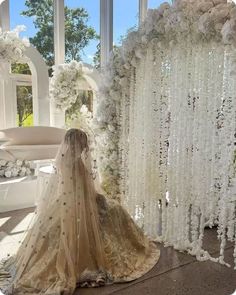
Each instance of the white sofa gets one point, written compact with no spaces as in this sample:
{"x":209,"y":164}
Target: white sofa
{"x":35,"y":144}
{"x":30,"y":143}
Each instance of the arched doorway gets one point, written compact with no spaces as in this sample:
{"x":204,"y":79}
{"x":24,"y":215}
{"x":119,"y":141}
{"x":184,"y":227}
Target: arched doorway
{"x":39,"y":81}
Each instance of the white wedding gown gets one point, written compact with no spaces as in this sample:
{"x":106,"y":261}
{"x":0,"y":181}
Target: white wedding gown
{"x":79,"y":237}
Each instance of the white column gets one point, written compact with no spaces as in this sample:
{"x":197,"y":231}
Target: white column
{"x":106,"y":30}
{"x":59,"y":31}
{"x":143,"y":5}
{"x":57,"y":117}
{"x":40,"y":87}
{"x":7,"y":118}
{"x":8,"y":103}
{"x":4,"y":16}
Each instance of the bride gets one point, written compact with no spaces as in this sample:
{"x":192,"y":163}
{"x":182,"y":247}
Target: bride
{"x":79,"y":237}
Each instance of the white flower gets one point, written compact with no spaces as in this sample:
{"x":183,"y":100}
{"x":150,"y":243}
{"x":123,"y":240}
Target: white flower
{"x":205,"y":23}
{"x":14,"y":172}
{"x":204,"y":6}
{"x":10,"y":164}
{"x":11,"y":46}
{"x":3,"y":162}
{"x":164,"y":7}
{"x":28,"y":171}
{"x":64,"y":85}
{"x":8,"y":174}
{"x":84,"y":109}
{"x":111,"y":128}
{"x":123,"y":82}
{"x":19,"y":163}
{"x":22,"y":173}
{"x":13,"y":169}
{"x":23,"y":169}
{"x":26,"y":163}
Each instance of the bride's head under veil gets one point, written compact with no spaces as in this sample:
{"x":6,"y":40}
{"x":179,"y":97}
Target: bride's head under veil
{"x":76,"y":140}
{"x":75,"y":144}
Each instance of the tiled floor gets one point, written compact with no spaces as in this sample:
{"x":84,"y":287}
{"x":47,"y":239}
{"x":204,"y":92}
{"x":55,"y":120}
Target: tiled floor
{"x":175,"y":274}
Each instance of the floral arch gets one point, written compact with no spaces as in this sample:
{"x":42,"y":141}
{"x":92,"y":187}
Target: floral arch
{"x":68,"y":79}
{"x":65,"y":87}
{"x":167,"y":119}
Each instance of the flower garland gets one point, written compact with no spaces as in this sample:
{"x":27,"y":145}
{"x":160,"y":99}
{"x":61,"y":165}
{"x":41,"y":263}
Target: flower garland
{"x":165,"y":26}
{"x":12,"y":47}
{"x":166,"y":121}
{"x":107,"y":123}
{"x":16,"y":168}
{"x":64,"y":85}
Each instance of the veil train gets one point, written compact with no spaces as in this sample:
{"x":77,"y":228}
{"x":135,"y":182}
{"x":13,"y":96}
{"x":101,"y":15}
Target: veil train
{"x":78,"y":236}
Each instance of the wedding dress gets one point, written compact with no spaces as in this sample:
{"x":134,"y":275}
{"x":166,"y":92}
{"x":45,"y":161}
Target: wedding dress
{"x":79,"y":237}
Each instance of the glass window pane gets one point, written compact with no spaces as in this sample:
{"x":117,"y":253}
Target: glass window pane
{"x":125,"y":18}
{"x":24,"y":105}
{"x":85,"y":40}
{"x":18,"y":68}
{"x":16,"y":17}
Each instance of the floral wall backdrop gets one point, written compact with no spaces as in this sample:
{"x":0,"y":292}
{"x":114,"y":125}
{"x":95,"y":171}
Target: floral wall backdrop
{"x":167,"y":124}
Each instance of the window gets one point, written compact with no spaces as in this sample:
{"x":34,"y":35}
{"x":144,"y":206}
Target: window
{"x":85,"y":98}
{"x":21,"y":78}
{"x":125,"y":18}
{"x":16,"y":8}
{"x":24,"y":105}
{"x":85,"y":39}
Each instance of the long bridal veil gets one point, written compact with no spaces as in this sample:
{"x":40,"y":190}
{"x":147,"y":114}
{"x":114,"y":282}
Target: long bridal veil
{"x":78,"y":236}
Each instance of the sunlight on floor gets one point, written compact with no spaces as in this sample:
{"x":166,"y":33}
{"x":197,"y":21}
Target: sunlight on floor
{"x":3,"y":220}
{"x":24,"y":224}
{"x":13,"y":180}
{"x":10,"y":238}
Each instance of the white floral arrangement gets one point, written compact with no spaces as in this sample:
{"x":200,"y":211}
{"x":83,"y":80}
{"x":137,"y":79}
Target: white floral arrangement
{"x":12,"y":47}
{"x":16,"y":168}
{"x":208,"y":25}
{"x":64,"y":85}
{"x":166,"y":26}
